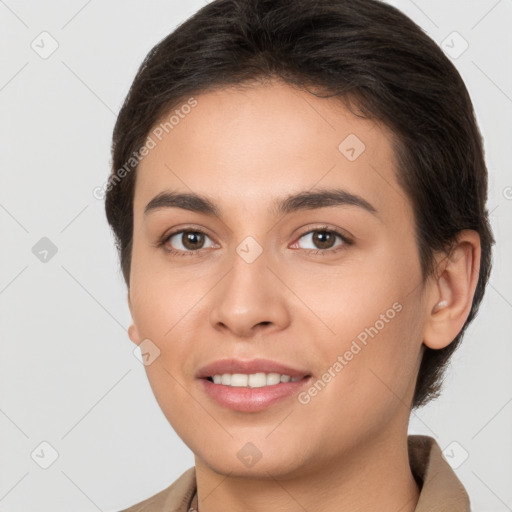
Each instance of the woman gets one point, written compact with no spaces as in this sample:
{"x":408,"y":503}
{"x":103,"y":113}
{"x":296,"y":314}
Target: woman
{"x":298,"y":196}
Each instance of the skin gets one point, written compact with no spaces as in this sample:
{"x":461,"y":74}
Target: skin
{"x":347,"y":448}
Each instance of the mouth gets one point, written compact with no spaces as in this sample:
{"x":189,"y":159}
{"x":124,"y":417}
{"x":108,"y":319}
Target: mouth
{"x":252,"y":380}
{"x":250,"y":373}
{"x":251,"y":386}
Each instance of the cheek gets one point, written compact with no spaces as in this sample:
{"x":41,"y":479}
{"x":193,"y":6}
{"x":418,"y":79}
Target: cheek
{"x":359,"y":299}
{"x":168,"y":309}
{"x":379,"y":363}
{"x":364,"y":386}
{"x":161,"y":294}
{"x":374,"y":314}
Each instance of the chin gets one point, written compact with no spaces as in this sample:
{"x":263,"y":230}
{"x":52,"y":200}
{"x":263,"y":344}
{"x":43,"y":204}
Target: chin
{"x":272,"y":467}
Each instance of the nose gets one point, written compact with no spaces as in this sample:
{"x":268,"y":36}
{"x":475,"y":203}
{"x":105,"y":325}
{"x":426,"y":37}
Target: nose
{"x":249,"y":299}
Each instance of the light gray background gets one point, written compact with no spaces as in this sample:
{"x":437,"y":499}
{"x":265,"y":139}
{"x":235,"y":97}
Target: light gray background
{"x":68,"y":375}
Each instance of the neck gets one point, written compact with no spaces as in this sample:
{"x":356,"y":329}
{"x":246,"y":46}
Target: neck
{"x":375,"y":476}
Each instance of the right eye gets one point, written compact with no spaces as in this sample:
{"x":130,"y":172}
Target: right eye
{"x":184,"y":241}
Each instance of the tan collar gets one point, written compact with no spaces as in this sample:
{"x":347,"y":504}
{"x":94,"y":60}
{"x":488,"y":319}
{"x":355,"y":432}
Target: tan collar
{"x":441,"y":490}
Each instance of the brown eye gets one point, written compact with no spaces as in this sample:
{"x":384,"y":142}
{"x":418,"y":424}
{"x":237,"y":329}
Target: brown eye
{"x":321,"y":239}
{"x":192,"y":240}
{"x":186,"y":241}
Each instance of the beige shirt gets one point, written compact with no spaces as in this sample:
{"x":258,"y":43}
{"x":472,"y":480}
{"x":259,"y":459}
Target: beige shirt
{"x":441,"y":490}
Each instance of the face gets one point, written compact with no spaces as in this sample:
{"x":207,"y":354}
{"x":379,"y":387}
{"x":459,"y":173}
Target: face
{"x":322,"y":288}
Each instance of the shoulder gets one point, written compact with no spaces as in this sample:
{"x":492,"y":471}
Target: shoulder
{"x":174,"y":498}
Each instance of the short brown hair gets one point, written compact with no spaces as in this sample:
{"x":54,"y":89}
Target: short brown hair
{"x":362,"y":50}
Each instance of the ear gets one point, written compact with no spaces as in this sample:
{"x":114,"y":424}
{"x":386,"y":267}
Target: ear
{"x":133,"y":332}
{"x":451,"y":291}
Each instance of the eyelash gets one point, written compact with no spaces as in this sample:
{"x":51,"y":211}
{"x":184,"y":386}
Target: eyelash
{"x":346,"y":241}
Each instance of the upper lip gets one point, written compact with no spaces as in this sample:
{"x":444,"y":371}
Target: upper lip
{"x":248,"y":367}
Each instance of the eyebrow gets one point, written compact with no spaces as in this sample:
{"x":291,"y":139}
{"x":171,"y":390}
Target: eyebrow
{"x":306,"y":200}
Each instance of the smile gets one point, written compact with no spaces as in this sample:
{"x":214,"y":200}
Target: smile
{"x":253,"y":380}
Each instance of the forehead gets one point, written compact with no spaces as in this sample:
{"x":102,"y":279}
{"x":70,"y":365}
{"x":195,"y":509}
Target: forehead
{"x":246,"y":146}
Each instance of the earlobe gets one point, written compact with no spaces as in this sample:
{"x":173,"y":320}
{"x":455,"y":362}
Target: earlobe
{"x":451,"y":292}
{"x":133,"y":334}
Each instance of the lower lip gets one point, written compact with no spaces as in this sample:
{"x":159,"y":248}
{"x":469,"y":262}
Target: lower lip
{"x":251,"y":399}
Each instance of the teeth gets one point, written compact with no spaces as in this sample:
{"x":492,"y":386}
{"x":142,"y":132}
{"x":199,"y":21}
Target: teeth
{"x":237,"y":379}
{"x":254,"y":380}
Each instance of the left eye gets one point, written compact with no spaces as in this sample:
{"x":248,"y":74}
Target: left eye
{"x":322,"y":239}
